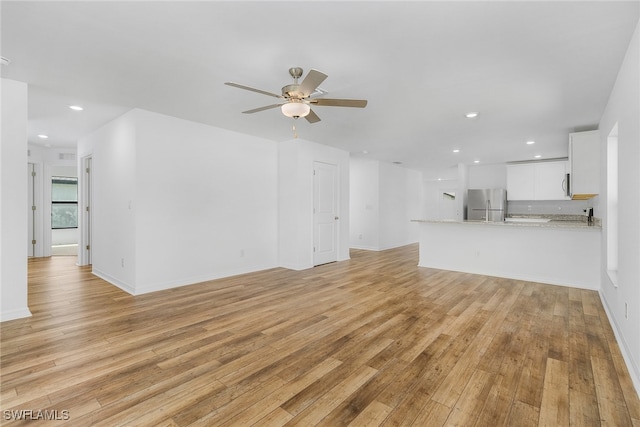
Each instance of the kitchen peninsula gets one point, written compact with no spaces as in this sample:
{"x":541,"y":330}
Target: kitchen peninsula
{"x":563,"y":253}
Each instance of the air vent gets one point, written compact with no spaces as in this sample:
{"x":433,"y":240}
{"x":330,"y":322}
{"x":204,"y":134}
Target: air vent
{"x":66,"y":156}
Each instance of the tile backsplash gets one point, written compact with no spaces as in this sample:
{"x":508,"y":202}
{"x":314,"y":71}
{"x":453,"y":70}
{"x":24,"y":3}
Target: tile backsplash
{"x":548,"y":207}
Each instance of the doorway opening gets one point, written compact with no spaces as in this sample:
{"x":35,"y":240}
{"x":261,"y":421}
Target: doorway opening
{"x":64,"y":215}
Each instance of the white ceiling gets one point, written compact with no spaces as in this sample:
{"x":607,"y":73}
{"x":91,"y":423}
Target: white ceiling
{"x":534,"y":70}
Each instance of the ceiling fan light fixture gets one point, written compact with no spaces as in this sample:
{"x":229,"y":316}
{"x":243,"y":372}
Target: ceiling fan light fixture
{"x":295,"y":109}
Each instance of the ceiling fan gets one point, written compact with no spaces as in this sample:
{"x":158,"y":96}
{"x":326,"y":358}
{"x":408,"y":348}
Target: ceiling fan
{"x":298,"y":97}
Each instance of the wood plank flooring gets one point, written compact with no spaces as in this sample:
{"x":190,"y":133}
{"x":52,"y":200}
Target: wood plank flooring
{"x":370,"y":341}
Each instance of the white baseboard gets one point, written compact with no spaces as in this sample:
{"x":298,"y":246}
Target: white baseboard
{"x":20,"y":313}
{"x":509,"y":275}
{"x":634,"y":370}
{"x":381,"y":248}
{"x":120,"y":284}
{"x":161,"y":286}
{"x":199,"y":279}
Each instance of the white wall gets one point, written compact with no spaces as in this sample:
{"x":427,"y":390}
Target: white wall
{"x":623,"y":108}
{"x":487,"y":176}
{"x":177,"y":202}
{"x":206,"y":202}
{"x":451,"y":180}
{"x":364,"y":207}
{"x":64,"y":236}
{"x":384,"y":200}
{"x":514,"y":251}
{"x":295,"y":200}
{"x":400,"y":202}
{"x":13,"y":183}
{"x":114,"y":224}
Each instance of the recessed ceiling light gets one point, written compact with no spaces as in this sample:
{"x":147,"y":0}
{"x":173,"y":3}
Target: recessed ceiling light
{"x":471,"y":115}
{"x":76,"y":107}
{"x":537,"y":156}
{"x":476,"y":161}
{"x":531,"y":142}
{"x":43,"y":136}
{"x":365,"y":152}
{"x":456,"y":151}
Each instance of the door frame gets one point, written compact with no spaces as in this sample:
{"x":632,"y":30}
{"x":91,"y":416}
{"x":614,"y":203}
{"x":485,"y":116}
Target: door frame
{"x":35,"y":217}
{"x":85,"y":204}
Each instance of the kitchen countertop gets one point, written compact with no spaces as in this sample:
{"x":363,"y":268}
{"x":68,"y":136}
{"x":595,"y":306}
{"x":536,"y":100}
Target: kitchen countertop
{"x":554,"y":221}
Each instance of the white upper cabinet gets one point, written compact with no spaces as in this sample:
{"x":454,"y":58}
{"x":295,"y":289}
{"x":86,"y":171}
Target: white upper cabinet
{"x":520,"y":182}
{"x":551,"y":181}
{"x":537,"y":181}
{"x":584,"y":163}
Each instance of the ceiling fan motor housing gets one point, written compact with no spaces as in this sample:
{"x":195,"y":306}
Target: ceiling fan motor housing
{"x":292,"y":91}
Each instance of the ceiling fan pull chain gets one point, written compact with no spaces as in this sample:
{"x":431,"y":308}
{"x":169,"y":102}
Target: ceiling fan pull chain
{"x":295,"y":134}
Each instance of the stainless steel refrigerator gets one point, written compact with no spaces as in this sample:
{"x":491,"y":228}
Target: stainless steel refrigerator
{"x":487,"y":204}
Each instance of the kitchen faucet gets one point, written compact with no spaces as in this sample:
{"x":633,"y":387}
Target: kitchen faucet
{"x":488,"y":208}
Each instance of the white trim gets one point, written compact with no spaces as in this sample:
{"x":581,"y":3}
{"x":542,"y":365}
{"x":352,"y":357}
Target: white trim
{"x":84,"y":218}
{"x":198,"y":279}
{"x":15,"y":314}
{"x":297,"y":267}
{"x":383,"y":248}
{"x":115,"y":282}
{"x":634,"y":371}
{"x":522,"y":277}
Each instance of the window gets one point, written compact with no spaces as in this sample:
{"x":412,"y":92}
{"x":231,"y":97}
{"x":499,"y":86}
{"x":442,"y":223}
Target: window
{"x":64,"y":202}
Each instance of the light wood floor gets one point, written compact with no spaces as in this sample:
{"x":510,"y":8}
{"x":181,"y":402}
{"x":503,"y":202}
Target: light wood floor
{"x":370,"y":341}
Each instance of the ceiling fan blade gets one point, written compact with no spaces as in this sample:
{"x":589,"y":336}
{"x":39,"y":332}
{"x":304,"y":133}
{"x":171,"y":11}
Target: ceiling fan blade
{"x":313,"y":79}
{"x":252,"y":89}
{"x":268,"y":107}
{"x":328,"y":102}
{"x":312,"y":117}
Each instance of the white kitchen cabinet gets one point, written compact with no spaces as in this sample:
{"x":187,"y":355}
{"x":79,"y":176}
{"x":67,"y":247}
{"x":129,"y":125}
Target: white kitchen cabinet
{"x":551,"y":181}
{"x":520,"y":182}
{"x":584,"y":164}
{"x":537,"y":181}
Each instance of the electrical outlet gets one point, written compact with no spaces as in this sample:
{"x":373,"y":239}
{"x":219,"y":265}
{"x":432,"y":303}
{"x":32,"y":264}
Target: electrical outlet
{"x":626,"y":310}
{"x":122,"y":262}
{"x":360,"y":237}
{"x":241,"y":253}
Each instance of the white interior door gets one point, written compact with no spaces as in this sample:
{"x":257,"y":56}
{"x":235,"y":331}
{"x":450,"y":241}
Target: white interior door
{"x":325,"y":213}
